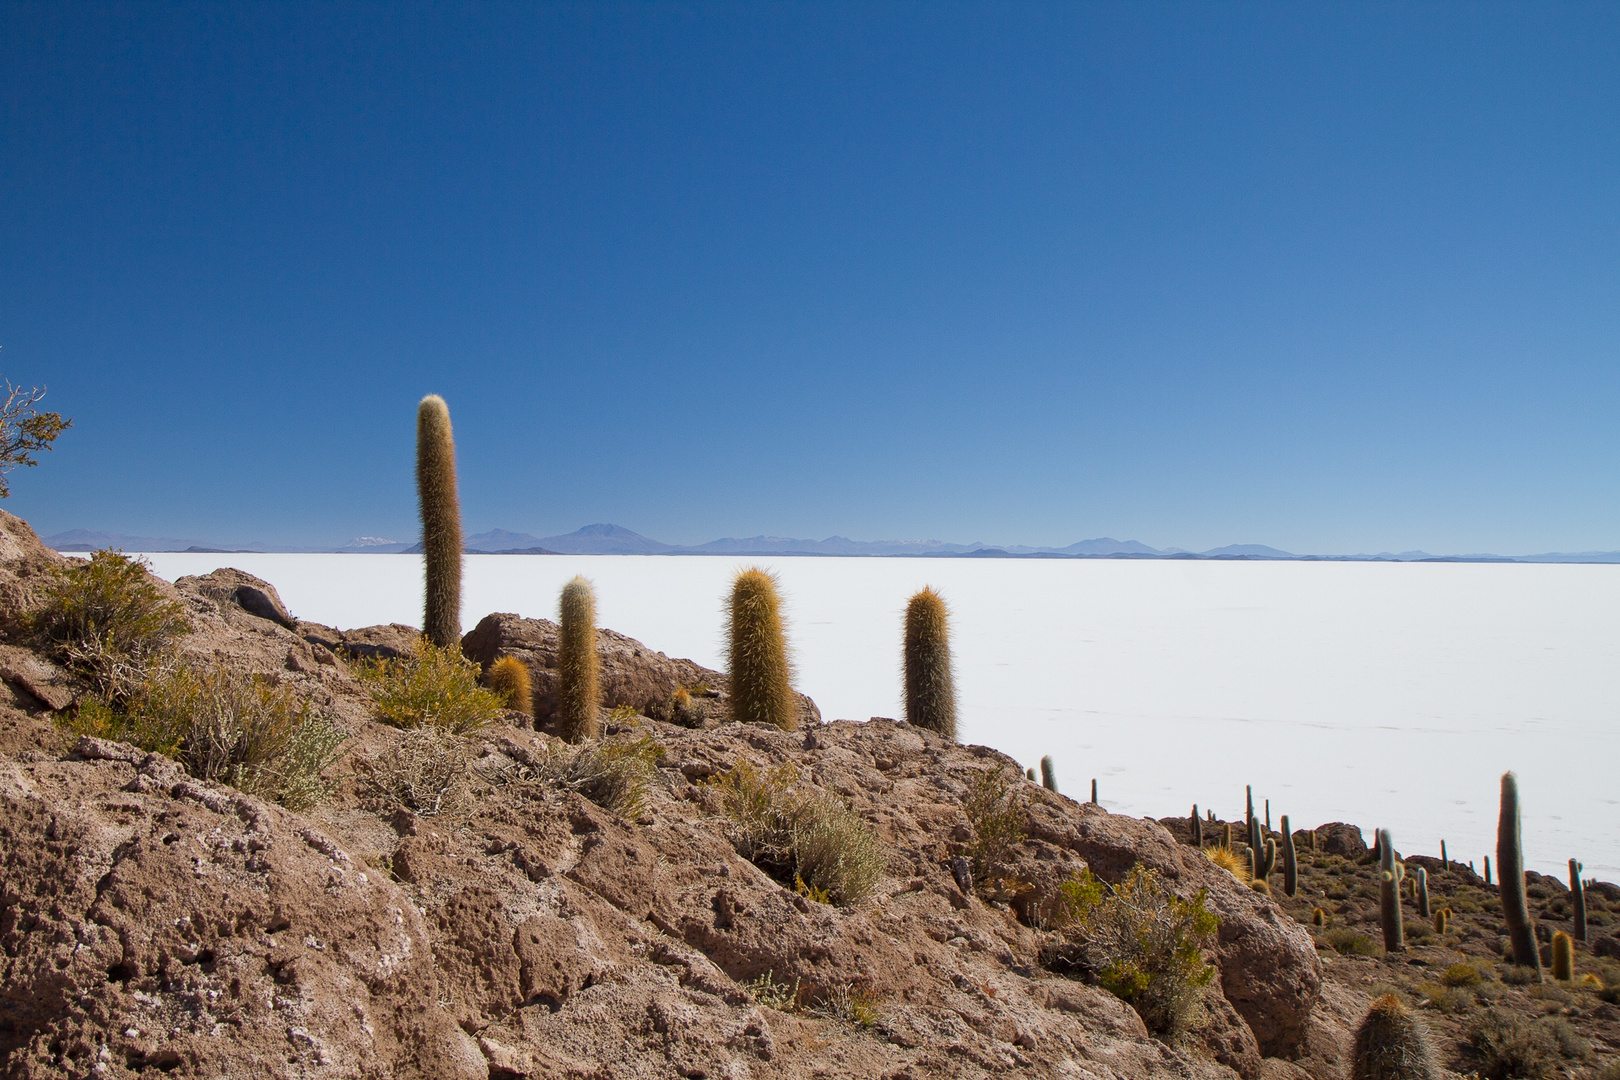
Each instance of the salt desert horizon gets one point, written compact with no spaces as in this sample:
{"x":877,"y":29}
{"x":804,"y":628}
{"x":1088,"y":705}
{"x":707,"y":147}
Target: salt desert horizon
{"x":1384,"y":694}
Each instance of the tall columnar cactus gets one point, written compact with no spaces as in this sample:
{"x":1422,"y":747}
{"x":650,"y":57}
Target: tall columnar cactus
{"x":1196,"y":828}
{"x":1420,"y":881}
{"x":1563,"y":950}
{"x":930,"y":690}
{"x":1445,"y":863}
{"x":1290,"y":860}
{"x":761,"y":676}
{"x":1577,"y":897}
{"x":1248,"y":809}
{"x":1048,"y":773}
{"x":441,"y":522}
{"x":1510,"y":874}
{"x":1226,"y":836}
{"x":1389,"y":894}
{"x":1392,"y":1044}
{"x":1488,"y":869}
{"x":579,"y":684}
{"x":1268,"y":815}
{"x":1263,"y":860}
{"x":1094,"y":801}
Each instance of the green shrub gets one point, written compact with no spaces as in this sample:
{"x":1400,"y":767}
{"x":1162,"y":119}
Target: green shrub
{"x":1461,"y":975}
{"x":797,"y":833}
{"x":224,"y":726}
{"x":1348,"y":942}
{"x":107,"y":619}
{"x":995,"y":809}
{"x":1509,"y":1048}
{"x":1142,"y":943}
{"x":432,"y":687}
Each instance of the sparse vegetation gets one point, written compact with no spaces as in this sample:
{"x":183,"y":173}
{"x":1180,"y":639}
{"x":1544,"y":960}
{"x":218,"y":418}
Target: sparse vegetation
{"x":767,"y":992}
{"x":1507,"y":1047}
{"x":796,"y":833}
{"x":109,"y":620}
{"x":24,"y":430}
{"x":432,"y":687}
{"x":1348,"y":942}
{"x":995,"y":810}
{"x":224,"y":726}
{"x":424,"y":771}
{"x":615,"y":774}
{"x":1142,"y":943}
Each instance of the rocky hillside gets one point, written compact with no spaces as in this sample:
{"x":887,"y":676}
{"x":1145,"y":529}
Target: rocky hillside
{"x":514,"y":925}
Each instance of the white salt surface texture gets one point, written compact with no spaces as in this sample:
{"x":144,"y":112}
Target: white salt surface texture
{"x":1386,"y":695}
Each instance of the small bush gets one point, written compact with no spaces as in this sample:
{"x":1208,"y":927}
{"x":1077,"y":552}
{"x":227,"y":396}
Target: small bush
{"x":851,"y":1004}
{"x":424,"y":771}
{"x":767,"y":992}
{"x":995,"y":809}
{"x":1519,"y":975}
{"x":1571,"y":1043}
{"x":1143,"y":944}
{"x":1461,"y":975}
{"x":1447,"y":999}
{"x":615,"y":774}
{"x":224,"y":726}
{"x":797,"y":833}
{"x":106,"y":618}
{"x":1348,"y":942}
{"x":1508,"y":1048}
{"x":432,"y":687}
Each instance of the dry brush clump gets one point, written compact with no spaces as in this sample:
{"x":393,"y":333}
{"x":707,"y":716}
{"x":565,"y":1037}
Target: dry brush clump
{"x":616,"y":774}
{"x":796,"y":832}
{"x":434,"y":686}
{"x":995,"y":809}
{"x":225,"y":726}
{"x":424,"y":771}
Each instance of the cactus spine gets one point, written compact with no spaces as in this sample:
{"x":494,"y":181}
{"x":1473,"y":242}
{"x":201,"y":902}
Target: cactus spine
{"x":1392,"y":1044}
{"x":441,"y":522}
{"x":1563,"y":951}
{"x":761,"y":676}
{"x":579,"y":693}
{"x":1196,"y":827}
{"x":509,"y":678}
{"x":1290,"y":860}
{"x":1389,"y":894}
{"x":930,"y":690}
{"x":1577,"y":897}
{"x":1510,"y":873}
{"x":1048,"y":774}
{"x":1420,"y":881}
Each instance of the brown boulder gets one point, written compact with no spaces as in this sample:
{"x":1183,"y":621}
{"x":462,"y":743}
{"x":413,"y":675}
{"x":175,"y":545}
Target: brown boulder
{"x":230,"y":586}
{"x":1337,"y":838}
{"x":632,"y":674}
{"x":53,"y":686}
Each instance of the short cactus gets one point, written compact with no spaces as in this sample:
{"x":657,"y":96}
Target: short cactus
{"x":1226,"y":836}
{"x":1389,"y":894}
{"x":1392,"y":1044}
{"x":1563,"y":957}
{"x":441,"y":522}
{"x":1441,"y":918}
{"x":761,"y":676}
{"x":508,"y":677}
{"x":1094,"y":801}
{"x":579,"y":693}
{"x":930,"y":689}
{"x":1029,"y":774}
{"x":1290,"y":860}
{"x":1318,"y":917}
{"x":1577,"y":897}
{"x":1048,"y":774}
{"x":1487,"y":870}
{"x":1510,"y":869}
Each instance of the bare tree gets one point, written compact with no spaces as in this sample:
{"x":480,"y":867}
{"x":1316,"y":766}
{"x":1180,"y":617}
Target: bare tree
{"x":24,"y":430}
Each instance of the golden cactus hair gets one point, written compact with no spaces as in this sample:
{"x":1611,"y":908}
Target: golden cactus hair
{"x":441,"y":522}
{"x":930,"y":688}
{"x":509,"y":678}
{"x":761,"y":690}
{"x":579,"y":691}
{"x":1392,"y":1044}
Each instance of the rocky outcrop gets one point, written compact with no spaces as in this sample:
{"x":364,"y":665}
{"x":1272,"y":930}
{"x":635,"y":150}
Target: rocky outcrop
{"x":632,"y":674}
{"x":253,"y":595}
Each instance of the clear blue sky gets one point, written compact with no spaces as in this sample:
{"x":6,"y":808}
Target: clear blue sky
{"x":1334,"y":278}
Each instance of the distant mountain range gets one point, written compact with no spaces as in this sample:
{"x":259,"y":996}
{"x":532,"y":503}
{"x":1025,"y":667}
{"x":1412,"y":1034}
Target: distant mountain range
{"x":617,"y":540}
